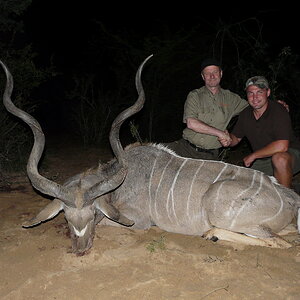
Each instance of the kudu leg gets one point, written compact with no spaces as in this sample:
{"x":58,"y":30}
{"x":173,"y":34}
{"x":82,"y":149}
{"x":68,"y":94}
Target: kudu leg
{"x":230,"y":236}
{"x":290,"y":229}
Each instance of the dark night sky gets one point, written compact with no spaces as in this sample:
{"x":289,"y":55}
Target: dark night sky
{"x":64,"y":27}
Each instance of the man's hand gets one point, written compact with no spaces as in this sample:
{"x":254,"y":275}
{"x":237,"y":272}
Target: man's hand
{"x":249,"y":159}
{"x":285,"y":105}
{"x":225,"y":139}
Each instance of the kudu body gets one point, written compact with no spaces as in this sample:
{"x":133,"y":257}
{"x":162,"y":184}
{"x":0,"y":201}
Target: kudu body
{"x":149,"y":185}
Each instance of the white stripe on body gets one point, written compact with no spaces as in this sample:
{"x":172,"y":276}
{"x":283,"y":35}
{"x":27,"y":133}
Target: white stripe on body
{"x":171,"y":191}
{"x":220,"y":186}
{"x":149,"y":187}
{"x":191,"y":188}
{"x":250,"y":187}
{"x":219,"y":175}
{"x":249,"y":198}
{"x":281,"y":205}
{"x":230,"y":211}
{"x":158,"y":187}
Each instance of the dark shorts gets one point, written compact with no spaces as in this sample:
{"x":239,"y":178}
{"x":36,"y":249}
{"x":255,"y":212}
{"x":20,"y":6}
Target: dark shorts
{"x":183,"y":148}
{"x":265,"y":164}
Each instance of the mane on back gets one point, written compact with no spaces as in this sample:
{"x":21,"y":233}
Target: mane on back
{"x":155,"y":145}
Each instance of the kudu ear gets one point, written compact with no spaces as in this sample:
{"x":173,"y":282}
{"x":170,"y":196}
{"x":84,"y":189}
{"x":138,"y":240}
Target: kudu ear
{"x":105,"y":186}
{"x":50,"y":211}
{"x":111,"y":212}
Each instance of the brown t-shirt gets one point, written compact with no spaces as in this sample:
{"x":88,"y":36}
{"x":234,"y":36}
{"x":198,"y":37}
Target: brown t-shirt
{"x":275,"y":124}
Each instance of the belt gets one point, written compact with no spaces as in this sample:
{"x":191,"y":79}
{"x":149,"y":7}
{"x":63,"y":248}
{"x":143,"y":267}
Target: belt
{"x":198,"y":149}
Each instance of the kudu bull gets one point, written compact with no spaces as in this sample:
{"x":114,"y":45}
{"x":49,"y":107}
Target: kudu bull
{"x":150,"y":185}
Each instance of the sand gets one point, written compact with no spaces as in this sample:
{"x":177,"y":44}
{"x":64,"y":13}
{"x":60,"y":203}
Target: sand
{"x":37,"y":263}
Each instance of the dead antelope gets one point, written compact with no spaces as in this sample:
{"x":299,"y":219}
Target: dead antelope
{"x":150,"y":185}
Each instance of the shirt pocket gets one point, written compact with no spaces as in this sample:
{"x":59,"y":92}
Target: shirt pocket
{"x":207,"y":115}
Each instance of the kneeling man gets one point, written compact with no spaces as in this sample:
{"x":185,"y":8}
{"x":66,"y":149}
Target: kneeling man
{"x":267,"y":126}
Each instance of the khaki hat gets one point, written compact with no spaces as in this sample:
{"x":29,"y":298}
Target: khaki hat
{"x":259,"y":81}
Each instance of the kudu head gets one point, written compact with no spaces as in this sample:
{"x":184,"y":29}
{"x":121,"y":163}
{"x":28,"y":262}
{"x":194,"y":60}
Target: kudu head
{"x":83,"y":197}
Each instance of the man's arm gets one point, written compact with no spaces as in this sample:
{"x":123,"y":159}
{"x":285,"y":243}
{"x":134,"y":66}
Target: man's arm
{"x":267,"y":151}
{"x":284,"y":104}
{"x":204,"y":128}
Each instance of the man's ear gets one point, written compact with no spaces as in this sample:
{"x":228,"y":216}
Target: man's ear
{"x":268,"y":92}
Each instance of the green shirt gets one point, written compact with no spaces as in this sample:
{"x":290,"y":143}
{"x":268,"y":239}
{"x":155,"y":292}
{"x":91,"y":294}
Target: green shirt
{"x":214,"y":110}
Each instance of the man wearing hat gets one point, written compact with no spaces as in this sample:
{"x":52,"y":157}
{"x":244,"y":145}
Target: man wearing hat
{"x":207,"y":113}
{"x":268,"y":128}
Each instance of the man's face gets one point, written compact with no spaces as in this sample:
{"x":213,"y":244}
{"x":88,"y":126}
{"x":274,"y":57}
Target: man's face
{"x":212,"y":76}
{"x":257,"y":97}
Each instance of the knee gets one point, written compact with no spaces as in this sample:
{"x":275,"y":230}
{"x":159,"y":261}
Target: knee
{"x":282,"y":160}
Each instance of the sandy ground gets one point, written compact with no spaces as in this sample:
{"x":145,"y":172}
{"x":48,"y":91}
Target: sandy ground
{"x":125,"y":264}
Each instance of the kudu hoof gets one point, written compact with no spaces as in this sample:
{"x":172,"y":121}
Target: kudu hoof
{"x":214,"y":238}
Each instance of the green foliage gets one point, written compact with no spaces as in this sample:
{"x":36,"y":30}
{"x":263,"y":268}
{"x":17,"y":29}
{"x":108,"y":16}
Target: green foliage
{"x":15,"y":136}
{"x":171,"y":63}
{"x":134,"y":129}
{"x":159,"y":244}
{"x":92,"y":110}
{"x":11,"y":12}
